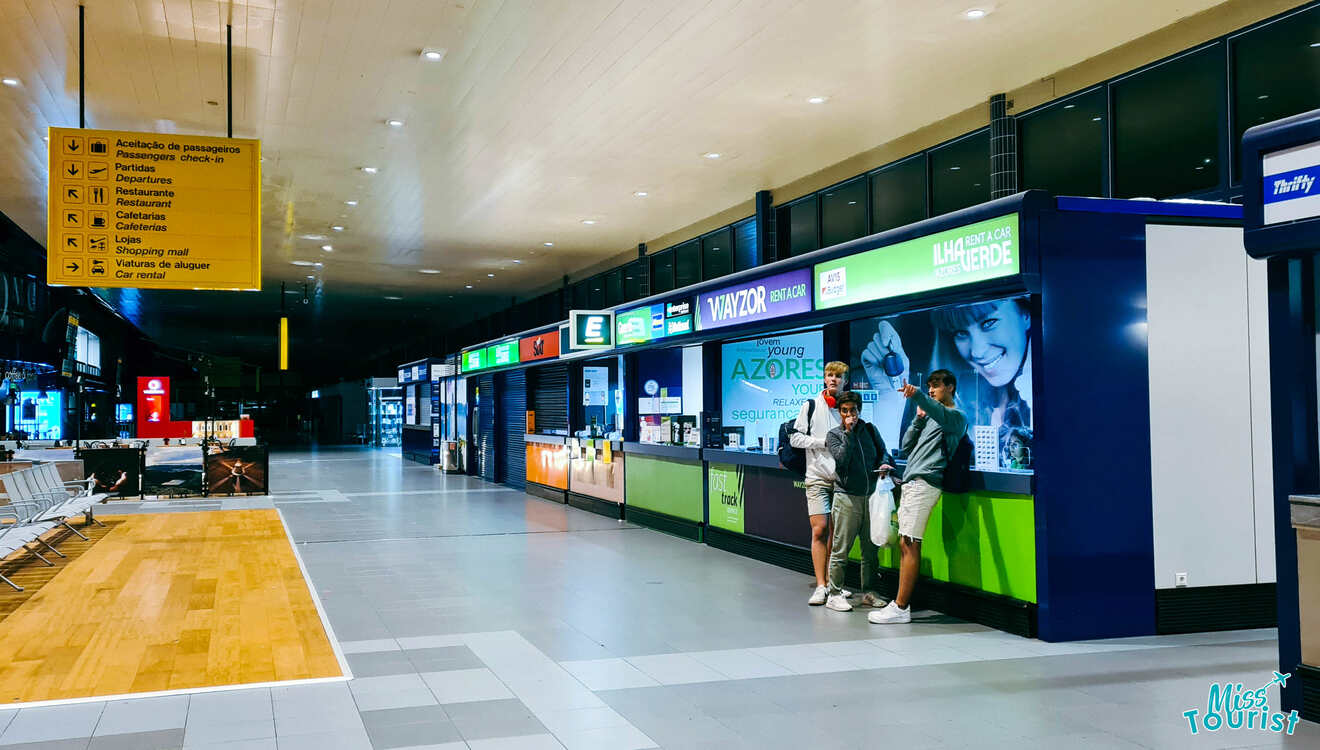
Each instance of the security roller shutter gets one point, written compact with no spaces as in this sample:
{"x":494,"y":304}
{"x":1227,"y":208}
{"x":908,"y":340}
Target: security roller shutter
{"x":486,"y":428}
{"x":513,"y":423}
{"x":548,"y":396}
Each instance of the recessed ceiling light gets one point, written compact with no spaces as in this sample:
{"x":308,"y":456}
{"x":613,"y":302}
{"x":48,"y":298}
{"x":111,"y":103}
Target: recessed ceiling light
{"x":548,"y":244}
{"x":427,"y":270}
{"x":433,"y":55}
{"x":1207,"y":161}
{"x":302,"y":263}
{"x":1315,"y":44}
{"x":394,"y":123}
{"x":490,"y":275}
{"x":954,"y":169}
{"x":9,"y":81}
{"x":350,"y":203}
{"x":369,"y":170}
{"x":469,"y":286}
{"x":975,"y":13}
{"x":337,"y":228}
{"x":818,"y":100}
{"x":1095,"y":119}
{"x":318,"y":264}
{"x":392,"y":297}
{"x":517,"y":261}
{"x":641,"y":193}
{"x":328,"y":248}
{"x":313,"y":236}
{"x":1069,"y":106}
{"x":712,"y":154}
{"x":1263,"y":96}
{"x":310,"y":276}
{"x":588,"y":221}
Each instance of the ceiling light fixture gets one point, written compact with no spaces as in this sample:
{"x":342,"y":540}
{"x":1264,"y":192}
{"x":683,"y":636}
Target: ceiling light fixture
{"x":975,"y":13}
{"x":641,"y":194}
{"x":588,"y":221}
{"x":818,"y":100}
{"x":1095,"y":119}
{"x":393,"y":297}
{"x":1315,"y":44}
{"x":427,"y":270}
{"x":328,"y":248}
{"x":318,"y":264}
{"x":313,"y":236}
{"x":954,"y":169}
{"x":433,"y":55}
{"x":1069,"y":106}
{"x":548,"y":244}
{"x":469,"y":286}
{"x":350,"y":203}
{"x":310,"y":276}
{"x":490,"y":275}
{"x":1262,"y":97}
{"x":394,"y":123}
{"x":369,"y":170}
{"x":337,"y":228}
{"x":302,"y":263}
{"x":517,"y":261}
{"x":9,"y":81}
{"x":712,"y":154}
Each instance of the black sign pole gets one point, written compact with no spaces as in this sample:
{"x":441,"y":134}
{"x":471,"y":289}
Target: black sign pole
{"x":82,"y":71}
{"x":229,"y":75}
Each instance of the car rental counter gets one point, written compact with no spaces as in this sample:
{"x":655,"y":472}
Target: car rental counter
{"x":1281,"y":215}
{"x":1087,"y":336}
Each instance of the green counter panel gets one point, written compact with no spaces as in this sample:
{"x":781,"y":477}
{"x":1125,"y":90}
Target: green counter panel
{"x":981,"y":540}
{"x":665,"y":486}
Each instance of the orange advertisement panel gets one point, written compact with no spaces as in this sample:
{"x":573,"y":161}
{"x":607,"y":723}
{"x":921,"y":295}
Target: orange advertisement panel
{"x":540,"y":346}
{"x":548,"y":465}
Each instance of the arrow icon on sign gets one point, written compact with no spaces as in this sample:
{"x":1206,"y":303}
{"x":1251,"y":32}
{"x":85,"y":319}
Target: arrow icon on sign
{"x":73,"y":218}
{"x":72,"y":267}
{"x":72,"y":193}
{"x":71,"y":242}
{"x":73,"y":170}
{"x":73,"y":145}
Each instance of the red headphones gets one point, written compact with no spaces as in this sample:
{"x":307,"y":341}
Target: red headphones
{"x":830,"y":401}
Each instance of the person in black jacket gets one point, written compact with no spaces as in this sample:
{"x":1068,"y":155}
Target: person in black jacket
{"x":860,"y":460}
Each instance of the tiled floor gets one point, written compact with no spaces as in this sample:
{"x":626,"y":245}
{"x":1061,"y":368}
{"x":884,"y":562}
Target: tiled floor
{"x":475,"y":617}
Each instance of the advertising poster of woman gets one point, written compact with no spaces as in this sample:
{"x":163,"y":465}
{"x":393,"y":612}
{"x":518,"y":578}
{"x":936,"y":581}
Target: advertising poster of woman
{"x":987,"y":345}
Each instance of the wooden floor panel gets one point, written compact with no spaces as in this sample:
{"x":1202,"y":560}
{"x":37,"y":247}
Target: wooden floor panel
{"x":164,"y":602}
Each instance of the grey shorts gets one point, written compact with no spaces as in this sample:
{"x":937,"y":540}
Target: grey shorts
{"x":914,"y":507}
{"x":820,"y":499}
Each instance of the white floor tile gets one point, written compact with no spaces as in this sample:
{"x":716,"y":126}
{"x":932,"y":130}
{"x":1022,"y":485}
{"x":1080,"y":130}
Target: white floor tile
{"x":52,"y":723}
{"x":608,"y":674}
{"x":390,"y":691}
{"x":369,"y":646}
{"x":607,"y":738}
{"x":675,"y":669}
{"x":465,"y":686}
{"x":527,"y":742}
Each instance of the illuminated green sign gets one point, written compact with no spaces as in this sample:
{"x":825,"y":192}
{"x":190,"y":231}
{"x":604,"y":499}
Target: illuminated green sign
{"x":985,"y":250}
{"x":498,"y":355}
{"x":474,"y":360}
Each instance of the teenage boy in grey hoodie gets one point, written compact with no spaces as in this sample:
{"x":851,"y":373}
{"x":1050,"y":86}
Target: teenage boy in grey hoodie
{"x":929,"y":441}
{"x":860,"y":460}
{"x":809,"y":431}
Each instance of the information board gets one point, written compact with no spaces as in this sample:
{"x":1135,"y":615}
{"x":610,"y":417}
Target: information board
{"x":153,"y":211}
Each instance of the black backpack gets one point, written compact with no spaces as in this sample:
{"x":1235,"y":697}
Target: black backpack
{"x":794,"y":459}
{"x":958,"y":468}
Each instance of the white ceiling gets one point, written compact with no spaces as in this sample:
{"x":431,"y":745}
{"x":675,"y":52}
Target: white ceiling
{"x":541,"y":114}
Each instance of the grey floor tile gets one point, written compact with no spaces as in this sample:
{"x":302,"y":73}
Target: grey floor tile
{"x":355,"y":739}
{"x":405,"y":727}
{"x":393,"y":691}
{"x":465,"y":685}
{"x":442,"y":658}
{"x":480,"y":720}
{"x":165,"y":739}
{"x":214,"y":733}
{"x":380,"y":663}
{"x":529,"y":742}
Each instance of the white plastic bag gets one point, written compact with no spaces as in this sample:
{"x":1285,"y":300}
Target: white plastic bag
{"x":884,"y":530}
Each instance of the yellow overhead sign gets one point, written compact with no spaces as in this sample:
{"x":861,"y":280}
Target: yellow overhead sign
{"x":153,"y":211}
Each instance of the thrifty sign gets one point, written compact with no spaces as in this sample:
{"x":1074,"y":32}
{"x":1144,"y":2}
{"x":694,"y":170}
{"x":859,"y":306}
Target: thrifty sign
{"x":153,"y":211}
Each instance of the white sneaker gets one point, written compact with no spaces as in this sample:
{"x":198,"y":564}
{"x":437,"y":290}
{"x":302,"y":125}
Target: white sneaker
{"x":892,"y":614}
{"x":846,"y":593}
{"x":838,"y":604}
{"x":818,"y":596}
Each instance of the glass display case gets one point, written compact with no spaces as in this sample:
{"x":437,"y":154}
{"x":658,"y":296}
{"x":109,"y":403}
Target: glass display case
{"x":669,"y":404}
{"x":386,"y":414}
